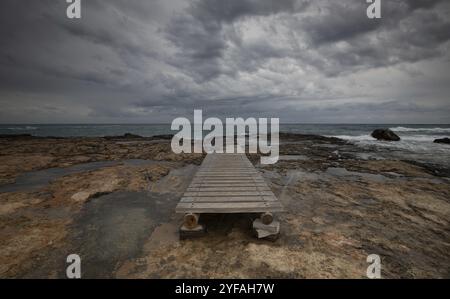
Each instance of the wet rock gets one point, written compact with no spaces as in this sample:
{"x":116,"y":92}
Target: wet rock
{"x":14,"y":164}
{"x":164,"y":137}
{"x":385,"y":134}
{"x":101,"y":187}
{"x":442,"y":140}
{"x":266,"y":230}
{"x":124,"y":136}
{"x":308,"y":137}
{"x":15,"y":136}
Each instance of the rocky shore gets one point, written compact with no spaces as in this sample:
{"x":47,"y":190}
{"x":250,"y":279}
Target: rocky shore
{"x":111,"y":200}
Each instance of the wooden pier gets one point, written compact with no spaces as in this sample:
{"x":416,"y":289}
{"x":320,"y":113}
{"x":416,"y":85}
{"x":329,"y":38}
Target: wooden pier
{"x":227,"y":183}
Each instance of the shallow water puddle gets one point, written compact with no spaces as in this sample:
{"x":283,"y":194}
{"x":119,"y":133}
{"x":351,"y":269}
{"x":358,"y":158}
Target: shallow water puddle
{"x":120,"y":226}
{"x":114,"y":228}
{"x":38,"y":179}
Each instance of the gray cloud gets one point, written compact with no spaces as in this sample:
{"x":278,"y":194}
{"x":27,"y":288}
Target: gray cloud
{"x":150,"y":61}
{"x":201,"y":37}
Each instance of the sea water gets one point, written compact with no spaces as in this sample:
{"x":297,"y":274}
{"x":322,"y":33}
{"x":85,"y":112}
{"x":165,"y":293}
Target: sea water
{"x":416,"y":140}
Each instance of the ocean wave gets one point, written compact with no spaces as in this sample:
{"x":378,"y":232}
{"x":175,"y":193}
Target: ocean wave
{"x":354,"y":138}
{"x":406,"y":129}
{"x":420,"y":138}
{"x":23,"y":128}
{"x":412,"y":138}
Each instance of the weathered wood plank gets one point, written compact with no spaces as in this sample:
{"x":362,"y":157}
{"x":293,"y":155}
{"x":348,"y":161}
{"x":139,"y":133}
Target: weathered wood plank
{"x":228,"y":199}
{"x":224,"y":176}
{"x":227,"y":193}
{"x":235,"y":207}
{"x":228,"y":181}
{"x":247,"y":178}
{"x":228,"y":188}
{"x":226,"y":184}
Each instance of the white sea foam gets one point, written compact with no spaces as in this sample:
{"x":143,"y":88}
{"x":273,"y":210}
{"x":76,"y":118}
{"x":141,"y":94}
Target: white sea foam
{"x":354,"y":138}
{"x":405,"y":129}
{"x":420,"y":138}
{"x":415,"y":143}
{"x":416,"y":138}
{"x":23,"y":128}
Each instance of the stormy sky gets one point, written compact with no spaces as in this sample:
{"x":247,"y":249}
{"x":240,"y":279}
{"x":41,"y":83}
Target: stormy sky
{"x":140,"y":61}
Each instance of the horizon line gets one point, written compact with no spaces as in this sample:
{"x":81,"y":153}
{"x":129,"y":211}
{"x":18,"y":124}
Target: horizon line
{"x":147,"y":124}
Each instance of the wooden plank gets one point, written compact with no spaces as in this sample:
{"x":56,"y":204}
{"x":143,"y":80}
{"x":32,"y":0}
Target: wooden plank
{"x":227,"y":193}
{"x":225,"y":184}
{"x":228,"y":181}
{"x":236,"y":172}
{"x":228,"y":199}
{"x":219,"y":168}
{"x":235,"y":207}
{"x":225,"y":187}
{"x":229,"y":178}
{"x":228,"y":188}
{"x":229,"y":172}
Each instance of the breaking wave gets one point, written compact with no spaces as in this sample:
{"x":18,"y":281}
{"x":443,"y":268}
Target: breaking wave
{"x":417,"y":138}
{"x":22,"y":128}
{"x":354,"y":138}
{"x":406,"y":129}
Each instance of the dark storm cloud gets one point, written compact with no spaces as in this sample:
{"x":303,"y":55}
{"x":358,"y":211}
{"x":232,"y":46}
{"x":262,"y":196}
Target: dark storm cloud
{"x":342,"y":20}
{"x":404,"y":34}
{"x":199,"y":33}
{"x":202,"y":40}
{"x":150,"y":61}
{"x":338,"y":21}
{"x":416,"y":4}
{"x":229,"y":11}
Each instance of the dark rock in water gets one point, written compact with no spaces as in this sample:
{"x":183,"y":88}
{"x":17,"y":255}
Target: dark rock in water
{"x":163,"y":136}
{"x":129,"y":135}
{"x":15,"y":136}
{"x":124,"y":136}
{"x":303,"y":137}
{"x":442,"y":140}
{"x":385,"y":134}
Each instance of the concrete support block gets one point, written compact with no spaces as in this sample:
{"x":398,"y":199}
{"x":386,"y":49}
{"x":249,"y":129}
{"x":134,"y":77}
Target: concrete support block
{"x":187,"y":233}
{"x":266,"y":231}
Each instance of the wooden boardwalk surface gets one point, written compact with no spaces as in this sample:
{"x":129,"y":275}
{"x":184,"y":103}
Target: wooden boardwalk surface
{"x":228,"y":183}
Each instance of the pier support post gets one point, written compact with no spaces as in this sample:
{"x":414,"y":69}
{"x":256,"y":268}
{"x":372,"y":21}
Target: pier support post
{"x":190,"y":227}
{"x":269,"y":230}
{"x":191,"y":220}
{"x":266,"y":218}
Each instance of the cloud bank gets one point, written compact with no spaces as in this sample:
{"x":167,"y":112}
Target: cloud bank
{"x":151,"y":61}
